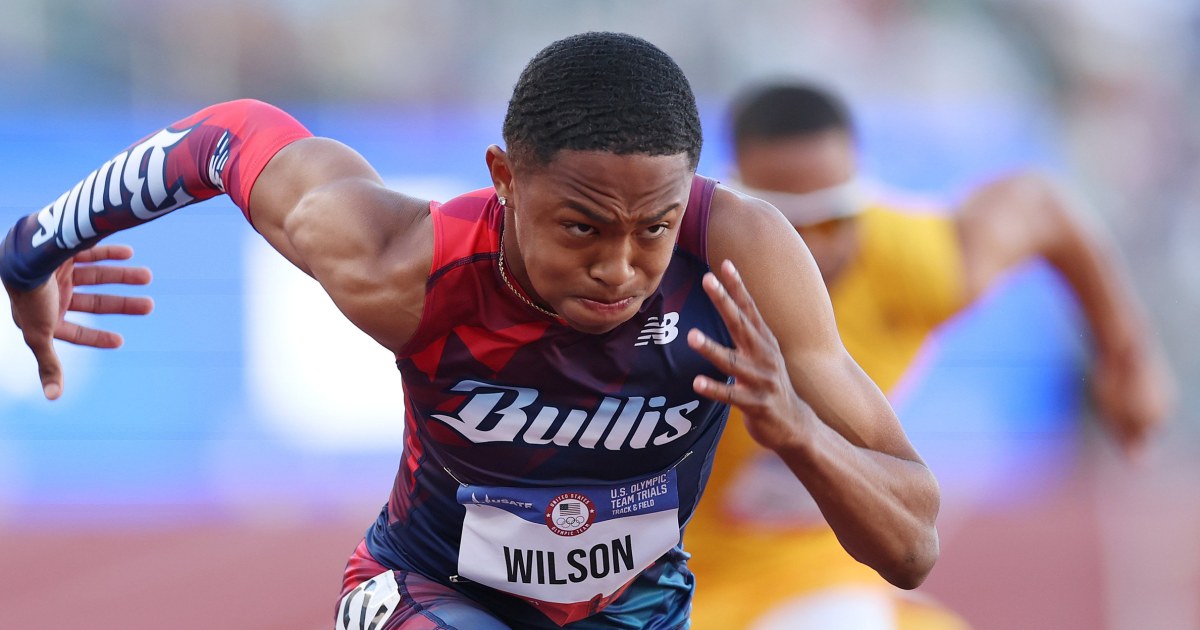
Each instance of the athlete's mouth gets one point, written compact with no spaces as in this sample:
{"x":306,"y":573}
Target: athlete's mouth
{"x":607,"y":304}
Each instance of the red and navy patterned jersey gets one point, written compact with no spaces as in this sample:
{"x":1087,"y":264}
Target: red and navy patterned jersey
{"x":498,"y":394}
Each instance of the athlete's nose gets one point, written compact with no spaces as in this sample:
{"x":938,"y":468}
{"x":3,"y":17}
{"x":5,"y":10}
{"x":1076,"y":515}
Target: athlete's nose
{"x":614,"y":267}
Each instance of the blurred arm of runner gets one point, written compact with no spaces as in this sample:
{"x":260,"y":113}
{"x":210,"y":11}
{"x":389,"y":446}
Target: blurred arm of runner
{"x":1015,"y":218}
{"x":315,"y":200}
{"x":805,"y":398}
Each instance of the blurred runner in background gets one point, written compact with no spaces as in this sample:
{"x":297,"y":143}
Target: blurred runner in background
{"x":894,"y":274}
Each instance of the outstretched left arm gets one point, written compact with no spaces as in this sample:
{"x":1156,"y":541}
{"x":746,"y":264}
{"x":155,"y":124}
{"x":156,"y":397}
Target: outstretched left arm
{"x":221,"y":148}
{"x":805,"y":398}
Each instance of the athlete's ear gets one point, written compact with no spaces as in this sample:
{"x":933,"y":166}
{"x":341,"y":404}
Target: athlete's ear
{"x":501,"y":169}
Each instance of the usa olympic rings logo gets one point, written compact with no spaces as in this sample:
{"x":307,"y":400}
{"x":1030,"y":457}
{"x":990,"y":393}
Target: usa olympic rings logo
{"x":570,"y":514}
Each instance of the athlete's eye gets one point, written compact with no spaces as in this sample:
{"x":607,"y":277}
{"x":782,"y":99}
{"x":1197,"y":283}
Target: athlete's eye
{"x":579,"y":229}
{"x":654,"y":231}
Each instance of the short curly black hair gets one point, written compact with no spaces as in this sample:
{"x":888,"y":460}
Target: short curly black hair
{"x":782,"y":109}
{"x":602,"y":91}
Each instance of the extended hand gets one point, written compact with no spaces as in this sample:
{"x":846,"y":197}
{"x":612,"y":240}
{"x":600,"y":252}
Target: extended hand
{"x":1135,"y":393}
{"x":40,"y":313}
{"x":762,"y":388}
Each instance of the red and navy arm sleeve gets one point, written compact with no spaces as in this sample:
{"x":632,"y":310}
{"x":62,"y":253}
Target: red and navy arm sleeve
{"x":220,"y":149}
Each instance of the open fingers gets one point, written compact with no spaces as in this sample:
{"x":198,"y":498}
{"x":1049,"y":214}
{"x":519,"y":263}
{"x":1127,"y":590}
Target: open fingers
{"x":739,"y":294}
{"x":724,"y":358}
{"x":717,"y":390}
{"x":753,"y":359}
{"x":748,"y":372}
{"x":49,"y":367}
{"x":735,"y":304}
{"x":105,"y":252}
{"x":84,"y":336}
{"x":110,"y":304}
{"x":89,"y":275}
{"x":751,"y":338}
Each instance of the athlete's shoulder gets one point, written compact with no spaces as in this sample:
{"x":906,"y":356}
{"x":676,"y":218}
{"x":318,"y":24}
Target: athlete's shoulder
{"x":740,"y":223}
{"x":468,"y":206}
{"x":730,"y":206}
{"x":465,"y":226}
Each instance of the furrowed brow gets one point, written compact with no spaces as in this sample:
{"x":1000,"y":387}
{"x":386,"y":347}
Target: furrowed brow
{"x":592,"y":215}
{"x":608,"y":220}
{"x":658,"y":216}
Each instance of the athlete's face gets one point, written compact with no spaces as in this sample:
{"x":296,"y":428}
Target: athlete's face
{"x":590,"y":235}
{"x":801,"y":165}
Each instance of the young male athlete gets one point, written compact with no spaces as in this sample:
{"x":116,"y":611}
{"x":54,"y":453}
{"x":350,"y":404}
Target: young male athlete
{"x":568,"y":359}
{"x":893,"y":276}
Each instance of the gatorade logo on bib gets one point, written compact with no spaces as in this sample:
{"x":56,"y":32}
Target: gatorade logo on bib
{"x":570,"y":514}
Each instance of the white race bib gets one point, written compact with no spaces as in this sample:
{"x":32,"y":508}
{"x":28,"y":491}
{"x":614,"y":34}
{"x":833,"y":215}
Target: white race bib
{"x":567,"y":545}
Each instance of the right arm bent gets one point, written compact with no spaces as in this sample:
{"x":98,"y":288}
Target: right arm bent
{"x":322,"y":206}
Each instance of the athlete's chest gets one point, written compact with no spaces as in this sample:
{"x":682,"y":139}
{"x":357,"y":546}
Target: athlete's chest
{"x":539,"y":390}
{"x":514,"y":384}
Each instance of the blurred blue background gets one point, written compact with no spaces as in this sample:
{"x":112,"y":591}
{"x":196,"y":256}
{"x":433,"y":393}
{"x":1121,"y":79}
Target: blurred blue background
{"x":245,"y":393}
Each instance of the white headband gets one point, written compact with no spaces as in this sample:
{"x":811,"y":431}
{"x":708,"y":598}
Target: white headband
{"x":803,"y":209}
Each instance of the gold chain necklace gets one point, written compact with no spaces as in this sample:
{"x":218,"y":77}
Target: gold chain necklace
{"x":504,"y":277}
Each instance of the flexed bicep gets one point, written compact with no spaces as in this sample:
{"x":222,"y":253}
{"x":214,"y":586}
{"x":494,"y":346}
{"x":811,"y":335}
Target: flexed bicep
{"x":325,"y":209}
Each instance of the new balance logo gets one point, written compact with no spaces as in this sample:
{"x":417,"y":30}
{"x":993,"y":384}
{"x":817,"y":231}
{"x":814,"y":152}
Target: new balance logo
{"x":660,"y":332}
{"x":216,"y":164}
